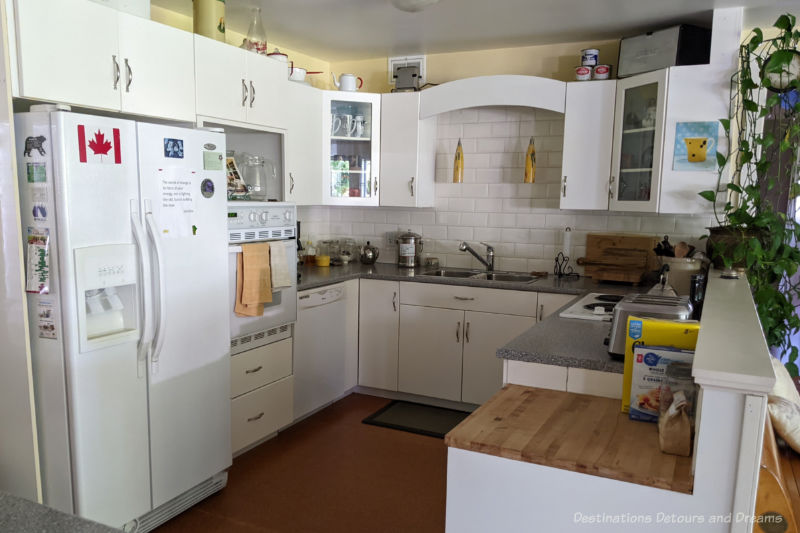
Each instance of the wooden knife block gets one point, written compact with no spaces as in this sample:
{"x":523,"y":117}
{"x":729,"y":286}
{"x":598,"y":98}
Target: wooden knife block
{"x":619,"y":257}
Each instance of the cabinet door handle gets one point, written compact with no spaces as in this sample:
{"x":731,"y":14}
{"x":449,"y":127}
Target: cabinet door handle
{"x":458,"y":332}
{"x":611,"y":187}
{"x":116,"y":71}
{"x":244,"y":92}
{"x":411,"y":183}
{"x":463,"y":298}
{"x":394,"y":301}
{"x":257,"y":417}
{"x":564,"y":188}
{"x":129,"y":75}
{"x":252,"y":93}
{"x":541,"y":312}
{"x":291,"y":183}
{"x":375,"y":185}
{"x":466,"y":333}
{"x":253,"y":370}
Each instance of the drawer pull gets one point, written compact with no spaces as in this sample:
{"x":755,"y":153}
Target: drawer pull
{"x":466,"y":332}
{"x":257,"y":417}
{"x":458,"y":332}
{"x":463,"y":298}
{"x":541,"y":312}
{"x":253,"y":370}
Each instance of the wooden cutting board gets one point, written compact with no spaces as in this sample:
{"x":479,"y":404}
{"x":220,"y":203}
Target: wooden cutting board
{"x":619,"y":256}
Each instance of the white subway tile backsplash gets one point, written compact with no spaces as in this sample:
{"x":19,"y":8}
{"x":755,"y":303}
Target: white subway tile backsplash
{"x":522,"y":221}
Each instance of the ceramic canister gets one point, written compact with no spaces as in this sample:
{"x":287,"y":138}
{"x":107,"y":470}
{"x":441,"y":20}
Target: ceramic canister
{"x":601,"y":72}
{"x":589,"y":56}
{"x":583,"y":73}
{"x":209,"y":18}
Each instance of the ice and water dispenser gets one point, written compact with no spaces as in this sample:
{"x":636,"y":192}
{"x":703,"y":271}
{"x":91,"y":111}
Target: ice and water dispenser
{"x":106,"y":278}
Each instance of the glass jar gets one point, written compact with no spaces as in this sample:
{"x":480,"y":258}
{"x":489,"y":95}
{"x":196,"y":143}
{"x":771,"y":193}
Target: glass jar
{"x":677,"y":377}
{"x":256,"y":175}
{"x":256,"y":36}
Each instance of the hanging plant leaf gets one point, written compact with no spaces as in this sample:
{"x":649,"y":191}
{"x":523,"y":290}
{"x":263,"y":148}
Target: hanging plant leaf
{"x":711,"y":196}
{"x":785,"y":22}
{"x":735,"y":188}
{"x":721,"y":159}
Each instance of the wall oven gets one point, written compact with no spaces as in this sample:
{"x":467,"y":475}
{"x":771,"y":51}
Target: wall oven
{"x":259,"y":222}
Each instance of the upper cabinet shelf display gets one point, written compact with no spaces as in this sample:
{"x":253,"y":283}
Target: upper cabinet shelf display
{"x":351,"y":148}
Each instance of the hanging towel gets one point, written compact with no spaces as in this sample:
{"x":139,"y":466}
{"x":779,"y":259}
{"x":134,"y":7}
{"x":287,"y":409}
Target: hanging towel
{"x":257,"y":286}
{"x":279,"y":265}
{"x":239,"y":308}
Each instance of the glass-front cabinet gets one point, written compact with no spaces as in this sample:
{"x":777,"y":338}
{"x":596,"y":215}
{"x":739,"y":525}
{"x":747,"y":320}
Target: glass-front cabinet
{"x":351,"y":148}
{"x":638,"y":138}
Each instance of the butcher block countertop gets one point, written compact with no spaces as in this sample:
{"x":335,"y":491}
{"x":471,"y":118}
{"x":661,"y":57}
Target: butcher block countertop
{"x":577,"y":432}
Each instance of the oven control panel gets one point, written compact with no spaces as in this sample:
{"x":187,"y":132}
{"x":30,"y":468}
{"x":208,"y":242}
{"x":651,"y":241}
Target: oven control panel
{"x":247,"y":220}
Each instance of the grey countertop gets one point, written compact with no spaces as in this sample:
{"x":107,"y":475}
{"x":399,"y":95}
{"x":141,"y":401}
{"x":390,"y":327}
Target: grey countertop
{"x":553,"y":341}
{"x":23,"y":516}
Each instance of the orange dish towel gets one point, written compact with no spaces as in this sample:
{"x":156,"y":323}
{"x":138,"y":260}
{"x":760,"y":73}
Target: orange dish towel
{"x":256,"y":280}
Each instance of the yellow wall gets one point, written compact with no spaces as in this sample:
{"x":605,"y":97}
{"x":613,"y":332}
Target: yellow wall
{"x":184,"y":22}
{"x":555,"y":61}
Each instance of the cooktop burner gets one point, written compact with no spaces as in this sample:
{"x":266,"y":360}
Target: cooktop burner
{"x":607,"y":307}
{"x":609,"y":297}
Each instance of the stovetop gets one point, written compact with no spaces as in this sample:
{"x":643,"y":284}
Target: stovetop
{"x":593,"y":306}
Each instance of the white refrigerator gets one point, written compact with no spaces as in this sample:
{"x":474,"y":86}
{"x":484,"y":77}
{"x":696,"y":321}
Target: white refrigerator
{"x":124,"y":225}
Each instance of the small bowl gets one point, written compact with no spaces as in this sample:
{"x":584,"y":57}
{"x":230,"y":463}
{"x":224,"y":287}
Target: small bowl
{"x":323,"y":260}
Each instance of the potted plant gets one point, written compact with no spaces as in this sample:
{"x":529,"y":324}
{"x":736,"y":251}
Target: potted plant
{"x":758,"y":223}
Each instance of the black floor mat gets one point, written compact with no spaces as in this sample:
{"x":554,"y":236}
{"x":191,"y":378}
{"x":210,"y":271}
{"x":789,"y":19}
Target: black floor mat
{"x":416,"y":418}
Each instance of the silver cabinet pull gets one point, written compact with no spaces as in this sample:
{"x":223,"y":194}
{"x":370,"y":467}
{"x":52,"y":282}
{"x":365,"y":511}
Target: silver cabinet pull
{"x":611,"y":187}
{"x":252,"y":93}
{"x":411,"y":183}
{"x":253,"y":370}
{"x":375,"y":185}
{"x":257,"y":417}
{"x":244,"y":92}
{"x":394,"y":301}
{"x":541,"y":312}
{"x":463,"y":298}
{"x":116,"y":71}
{"x":564,"y":188}
{"x":291,"y":183}
{"x":458,"y":332}
{"x":466,"y":333}
{"x":129,"y":75}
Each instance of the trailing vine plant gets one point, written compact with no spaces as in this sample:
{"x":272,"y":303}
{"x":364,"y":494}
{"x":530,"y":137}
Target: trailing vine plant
{"x":764,"y":124}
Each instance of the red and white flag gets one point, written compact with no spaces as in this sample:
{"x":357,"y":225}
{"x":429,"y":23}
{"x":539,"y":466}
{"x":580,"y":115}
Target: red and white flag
{"x":99,"y":146}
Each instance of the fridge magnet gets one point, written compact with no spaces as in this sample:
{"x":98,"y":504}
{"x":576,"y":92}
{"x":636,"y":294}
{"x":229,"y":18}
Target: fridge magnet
{"x":39,"y":213}
{"x":34,"y":143}
{"x":695,"y":146}
{"x":37,"y":172}
{"x":207,"y":188}
{"x":38,"y":266}
{"x":212,"y":160}
{"x":100,"y":148}
{"x":46,"y":320}
{"x":173,"y":148}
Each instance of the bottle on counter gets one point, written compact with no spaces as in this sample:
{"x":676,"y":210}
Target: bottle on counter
{"x":311,"y":253}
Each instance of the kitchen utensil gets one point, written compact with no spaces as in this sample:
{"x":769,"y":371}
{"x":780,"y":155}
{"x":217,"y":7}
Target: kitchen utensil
{"x":530,"y":163}
{"x":348,"y":250}
{"x":369,"y":254}
{"x":296,"y":73}
{"x":458,"y":164}
{"x":681,"y":270}
{"x":562,"y":267}
{"x":260,"y":177}
{"x":256,"y":36}
{"x":347,"y":82}
{"x":409,"y":249}
{"x":682,"y":249}
{"x":619,"y":257}
{"x":277,"y":55}
{"x":644,"y":305}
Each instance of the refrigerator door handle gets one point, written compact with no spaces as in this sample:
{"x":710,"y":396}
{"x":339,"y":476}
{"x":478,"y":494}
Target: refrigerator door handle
{"x":146,"y":289}
{"x":158,"y":337}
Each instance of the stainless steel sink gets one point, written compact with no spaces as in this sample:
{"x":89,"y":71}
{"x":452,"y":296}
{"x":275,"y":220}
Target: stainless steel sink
{"x":444,"y":273}
{"x":506,"y":276}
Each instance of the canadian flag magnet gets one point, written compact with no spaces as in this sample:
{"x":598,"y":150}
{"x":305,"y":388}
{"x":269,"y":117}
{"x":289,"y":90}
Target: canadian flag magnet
{"x":99,"y":146}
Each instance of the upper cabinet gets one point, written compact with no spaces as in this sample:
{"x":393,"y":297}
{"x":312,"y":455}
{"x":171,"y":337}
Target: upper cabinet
{"x":123,"y":63}
{"x":638,"y":142}
{"x":588,"y":133}
{"x":351,"y":127}
{"x":234,"y":84}
{"x":408,"y":152}
{"x":303,"y":168}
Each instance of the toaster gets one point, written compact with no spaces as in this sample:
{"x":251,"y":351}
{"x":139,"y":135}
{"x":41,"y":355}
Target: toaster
{"x":644,"y":306}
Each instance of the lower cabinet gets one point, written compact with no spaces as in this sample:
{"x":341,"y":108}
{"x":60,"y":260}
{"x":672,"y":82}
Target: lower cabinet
{"x":378,"y":323}
{"x":262,"y":388}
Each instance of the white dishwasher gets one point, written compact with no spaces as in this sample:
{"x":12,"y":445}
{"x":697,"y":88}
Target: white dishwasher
{"x":326,"y":346}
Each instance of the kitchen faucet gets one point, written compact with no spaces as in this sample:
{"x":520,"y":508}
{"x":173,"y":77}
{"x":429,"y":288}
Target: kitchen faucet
{"x":488,"y":262}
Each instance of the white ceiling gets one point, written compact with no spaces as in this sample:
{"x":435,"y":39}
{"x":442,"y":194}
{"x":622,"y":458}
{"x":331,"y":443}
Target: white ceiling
{"x":355,"y":29}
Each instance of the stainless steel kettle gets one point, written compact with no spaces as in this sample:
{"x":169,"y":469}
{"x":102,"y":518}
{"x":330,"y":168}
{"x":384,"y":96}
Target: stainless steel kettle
{"x":409,"y":249}
{"x":369,"y":254}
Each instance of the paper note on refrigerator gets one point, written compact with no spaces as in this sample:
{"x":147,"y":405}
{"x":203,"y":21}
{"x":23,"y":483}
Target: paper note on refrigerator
{"x":177,"y":203}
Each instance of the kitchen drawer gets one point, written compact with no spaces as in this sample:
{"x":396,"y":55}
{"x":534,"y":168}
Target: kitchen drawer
{"x":536,"y":375}
{"x":520,"y":303}
{"x":264,"y":411}
{"x":260,"y":366}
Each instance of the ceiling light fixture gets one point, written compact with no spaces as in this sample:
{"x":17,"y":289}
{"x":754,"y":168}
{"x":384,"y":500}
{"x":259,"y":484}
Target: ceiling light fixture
{"x":412,"y":6}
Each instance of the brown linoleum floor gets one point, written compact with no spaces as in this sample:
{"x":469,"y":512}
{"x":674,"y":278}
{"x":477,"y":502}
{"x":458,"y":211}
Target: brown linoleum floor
{"x":330,"y":473}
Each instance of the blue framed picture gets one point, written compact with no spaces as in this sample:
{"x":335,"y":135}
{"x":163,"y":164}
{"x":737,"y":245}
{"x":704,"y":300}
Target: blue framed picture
{"x":173,"y":148}
{"x":696,"y":146}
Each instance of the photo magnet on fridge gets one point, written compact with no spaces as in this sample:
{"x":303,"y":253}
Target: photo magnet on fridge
{"x":37,"y":172}
{"x":173,"y":148}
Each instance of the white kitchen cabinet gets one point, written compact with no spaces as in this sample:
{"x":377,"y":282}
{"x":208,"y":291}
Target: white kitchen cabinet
{"x":588,"y":134}
{"x":303,"y":167}
{"x":351,"y":127}
{"x":431,"y":351}
{"x":638,"y":142}
{"x":157,"y":64}
{"x":482,"y":370}
{"x":551,"y":302}
{"x":234,"y":84}
{"x":378,"y":333}
{"x":408,"y":152}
